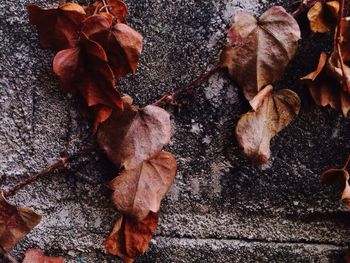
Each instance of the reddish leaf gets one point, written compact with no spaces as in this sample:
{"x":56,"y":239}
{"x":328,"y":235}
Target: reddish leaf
{"x":323,"y":16}
{"x":85,"y":70}
{"x":262,"y":49}
{"x":122,"y":44}
{"x":324,"y":85}
{"x":15,"y":223}
{"x":341,"y":178}
{"x":131,"y":238}
{"x":37,"y":256}
{"x":101,"y":113}
{"x":57,"y":27}
{"x":139,"y":191}
{"x":345,"y":43}
{"x":272,"y":112}
{"x":134,"y":135}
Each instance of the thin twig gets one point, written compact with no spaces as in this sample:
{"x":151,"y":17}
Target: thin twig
{"x":5,"y":257}
{"x":62,"y":162}
{"x":170,"y":98}
{"x":337,"y":45}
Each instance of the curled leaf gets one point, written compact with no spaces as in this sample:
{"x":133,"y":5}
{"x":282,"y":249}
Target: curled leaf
{"x":84,"y":70}
{"x":15,"y":223}
{"x":134,"y":135}
{"x":270,"y":114}
{"x":323,"y":16}
{"x":324,"y":84}
{"x":38,"y":256}
{"x":339,"y":177}
{"x":262,"y":49}
{"x":58,"y":27}
{"x":139,"y":191}
{"x":130,"y":238}
{"x":123,"y":45}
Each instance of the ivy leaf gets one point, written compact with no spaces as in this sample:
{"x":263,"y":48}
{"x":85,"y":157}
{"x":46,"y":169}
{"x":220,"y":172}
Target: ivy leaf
{"x":57,"y":27}
{"x":324,"y":88}
{"x":323,"y":16}
{"x":134,"y":135}
{"x":15,"y":223}
{"x":122,"y":44}
{"x":38,"y":256}
{"x":262,"y":49}
{"x":272,"y":112}
{"x":139,"y":191}
{"x":84,"y":70}
{"x":339,"y":177}
{"x":130,"y":238}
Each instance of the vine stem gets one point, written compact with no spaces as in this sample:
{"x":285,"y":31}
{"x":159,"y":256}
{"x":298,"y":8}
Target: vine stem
{"x":170,"y":98}
{"x":337,"y":42}
{"x":6,"y":257}
{"x":62,"y":162}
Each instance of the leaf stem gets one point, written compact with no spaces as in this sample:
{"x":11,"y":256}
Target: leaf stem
{"x":337,"y":42}
{"x":170,"y":98}
{"x":5,"y":257}
{"x":62,"y":162}
{"x":346,"y":163}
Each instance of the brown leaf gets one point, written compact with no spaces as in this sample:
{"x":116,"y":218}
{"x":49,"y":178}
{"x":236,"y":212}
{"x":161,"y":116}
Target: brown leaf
{"x":139,"y":191}
{"x":84,"y":70}
{"x":341,"y":178}
{"x":271,"y":114}
{"x":37,"y":256}
{"x":130,"y":237}
{"x":345,"y":43}
{"x":324,"y":85}
{"x":15,"y":223}
{"x":262,"y":49}
{"x":323,"y":16}
{"x":122,"y":44}
{"x":134,"y":135}
{"x":57,"y":27}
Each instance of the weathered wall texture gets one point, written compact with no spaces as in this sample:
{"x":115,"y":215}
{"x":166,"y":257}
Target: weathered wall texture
{"x":221,"y":208}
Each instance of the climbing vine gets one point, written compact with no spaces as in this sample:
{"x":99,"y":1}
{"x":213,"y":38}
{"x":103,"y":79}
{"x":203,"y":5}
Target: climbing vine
{"x":94,"y":46}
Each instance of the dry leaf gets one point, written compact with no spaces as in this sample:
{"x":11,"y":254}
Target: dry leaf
{"x":123,"y":45}
{"x":84,"y":70}
{"x":325,"y":87}
{"x":341,"y":178}
{"x":139,"y":191}
{"x":271,"y":113}
{"x":57,"y":27}
{"x":323,"y":16}
{"x":134,"y":135}
{"x":345,"y":43}
{"x":15,"y":223}
{"x":130,"y":237}
{"x":37,"y":256}
{"x":262,"y":49}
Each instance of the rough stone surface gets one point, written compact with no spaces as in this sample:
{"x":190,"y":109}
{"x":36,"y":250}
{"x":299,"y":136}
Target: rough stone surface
{"x":221,"y":208}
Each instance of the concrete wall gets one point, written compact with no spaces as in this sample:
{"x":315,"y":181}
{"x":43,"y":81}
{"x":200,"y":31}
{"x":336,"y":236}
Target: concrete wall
{"x":221,"y":208}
